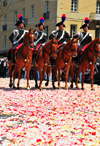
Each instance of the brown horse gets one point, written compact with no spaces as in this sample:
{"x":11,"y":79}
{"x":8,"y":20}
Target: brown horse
{"x":88,"y":60}
{"x":24,"y":59}
{"x":49,"y":49}
{"x":64,"y":59}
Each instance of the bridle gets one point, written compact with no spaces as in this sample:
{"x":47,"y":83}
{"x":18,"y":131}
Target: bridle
{"x":28,"y":46}
{"x":29,"y":42}
{"x":71,"y":50}
{"x":96,"y":51}
{"x":50,"y":48}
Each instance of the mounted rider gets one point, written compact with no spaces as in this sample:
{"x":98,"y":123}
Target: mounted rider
{"x":85,"y":37}
{"x":60,"y":33}
{"x":17,"y":36}
{"x":40,"y":38}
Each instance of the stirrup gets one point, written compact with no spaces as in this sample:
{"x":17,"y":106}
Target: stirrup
{"x":13,"y":62}
{"x":32,"y":63}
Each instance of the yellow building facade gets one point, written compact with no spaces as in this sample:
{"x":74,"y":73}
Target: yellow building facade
{"x":51,"y":10}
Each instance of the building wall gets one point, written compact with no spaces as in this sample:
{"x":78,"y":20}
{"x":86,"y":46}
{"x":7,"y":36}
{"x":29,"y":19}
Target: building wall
{"x":19,"y":5}
{"x":56,"y":9}
{"x":85,"y":7}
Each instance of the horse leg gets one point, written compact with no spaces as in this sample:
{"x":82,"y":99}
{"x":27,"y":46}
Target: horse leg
{"x":27,"y":76}
{"x":54,"y":74}
{"x":19,"y":77}
{"x":47,"y":82}
{"x":59,"y":77}
{"x":41,"y":78}
{"x":44,"y":71}
{"x":35,"y":77}
{"x":72,"y":70}
{"x":91,"y":76}
{"x":77,"y":75}
{"x":10,"y":84}
{"x":49,"y":68}
{"x":83,"y":76}
{"x":10,"y":74}
{"x":14,"y":77}
{"x":66,"y":76}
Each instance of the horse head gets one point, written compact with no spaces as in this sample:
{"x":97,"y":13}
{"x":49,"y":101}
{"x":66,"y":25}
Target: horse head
{"x":29,"y":38}
{"x":54,"y":46}
{"x":97,"y":48}
{"x":73,"y":46}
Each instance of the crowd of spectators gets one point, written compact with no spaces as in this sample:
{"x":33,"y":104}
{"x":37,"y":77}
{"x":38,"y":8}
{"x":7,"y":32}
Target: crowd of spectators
{"x":4,"y":67}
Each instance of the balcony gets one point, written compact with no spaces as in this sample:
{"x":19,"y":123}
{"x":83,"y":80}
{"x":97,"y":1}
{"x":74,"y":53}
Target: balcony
{"x":4,"y":3}
{"x":94,"y":16}
{"x":25,"y":21}
{"x":4,"y":27}
{"x":46,"y":15}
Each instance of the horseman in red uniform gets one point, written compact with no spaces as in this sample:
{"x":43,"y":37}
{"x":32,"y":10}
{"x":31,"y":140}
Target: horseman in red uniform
{"x":85,"y":38}
{"x":16,"y":37}
{"x":40,"y":38}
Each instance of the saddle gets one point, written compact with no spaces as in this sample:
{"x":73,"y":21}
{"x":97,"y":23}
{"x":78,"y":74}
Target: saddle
{"x":16,"y":52}
{"x":59,"y":47}
{"x":36,"y":50}
{"x":83,"y":49}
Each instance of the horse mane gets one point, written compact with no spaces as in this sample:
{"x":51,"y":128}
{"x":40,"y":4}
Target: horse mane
{"x":25,"y":37}
{"x":47,"y":43}
{"x":91,"y":43}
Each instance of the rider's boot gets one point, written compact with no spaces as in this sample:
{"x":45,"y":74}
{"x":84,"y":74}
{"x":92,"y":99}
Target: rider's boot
{"x":12,"y":58}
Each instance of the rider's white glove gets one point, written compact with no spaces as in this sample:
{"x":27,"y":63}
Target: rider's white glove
{"x":15,"y":42}
{"x":35,"y":43}
{"x":43,"y":44}
{"x":64,"y":42}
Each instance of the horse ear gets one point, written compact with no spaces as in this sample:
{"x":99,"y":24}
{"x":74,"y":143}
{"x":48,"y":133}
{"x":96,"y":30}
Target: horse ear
{"x":72,"y":39}
{"x":57,"y":39}
{"x":52,"y":39}
{"x":34,"y":30}
{"x":78,"y":38}
{"x":30,"y":30}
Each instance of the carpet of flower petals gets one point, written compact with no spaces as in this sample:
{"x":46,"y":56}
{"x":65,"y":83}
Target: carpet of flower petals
{"x":49,"y":117}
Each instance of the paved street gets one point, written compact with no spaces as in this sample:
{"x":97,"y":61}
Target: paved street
{"x":49,"y":117}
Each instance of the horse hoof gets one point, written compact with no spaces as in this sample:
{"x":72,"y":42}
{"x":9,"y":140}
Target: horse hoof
{"x":10,"y":85}
{"x":54,"y":87}
{"x":28,"y":88}
{"x":93,"y":89}
{"x":14,"y":87}
{"x":71,"y":86}
{"x":77,"y":87}
{"x":36,"y":86}
{"x":82,"y":88}
{"x":46,"y":84}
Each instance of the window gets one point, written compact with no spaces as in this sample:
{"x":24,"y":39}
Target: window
{"x":5,"y":20}
{"x":32,"y":11}
{"x":5,"y":3}
{"x":15,"y":17}
{"x":46,"y":30}
{"x":74,"y":4}
{"x":98,"y":33}
{"x":98,"y":7}
{"x":47,"y":6}
{"x":73,"y":30}
{"x":4,"y":41}
{"x":24,"y":13}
